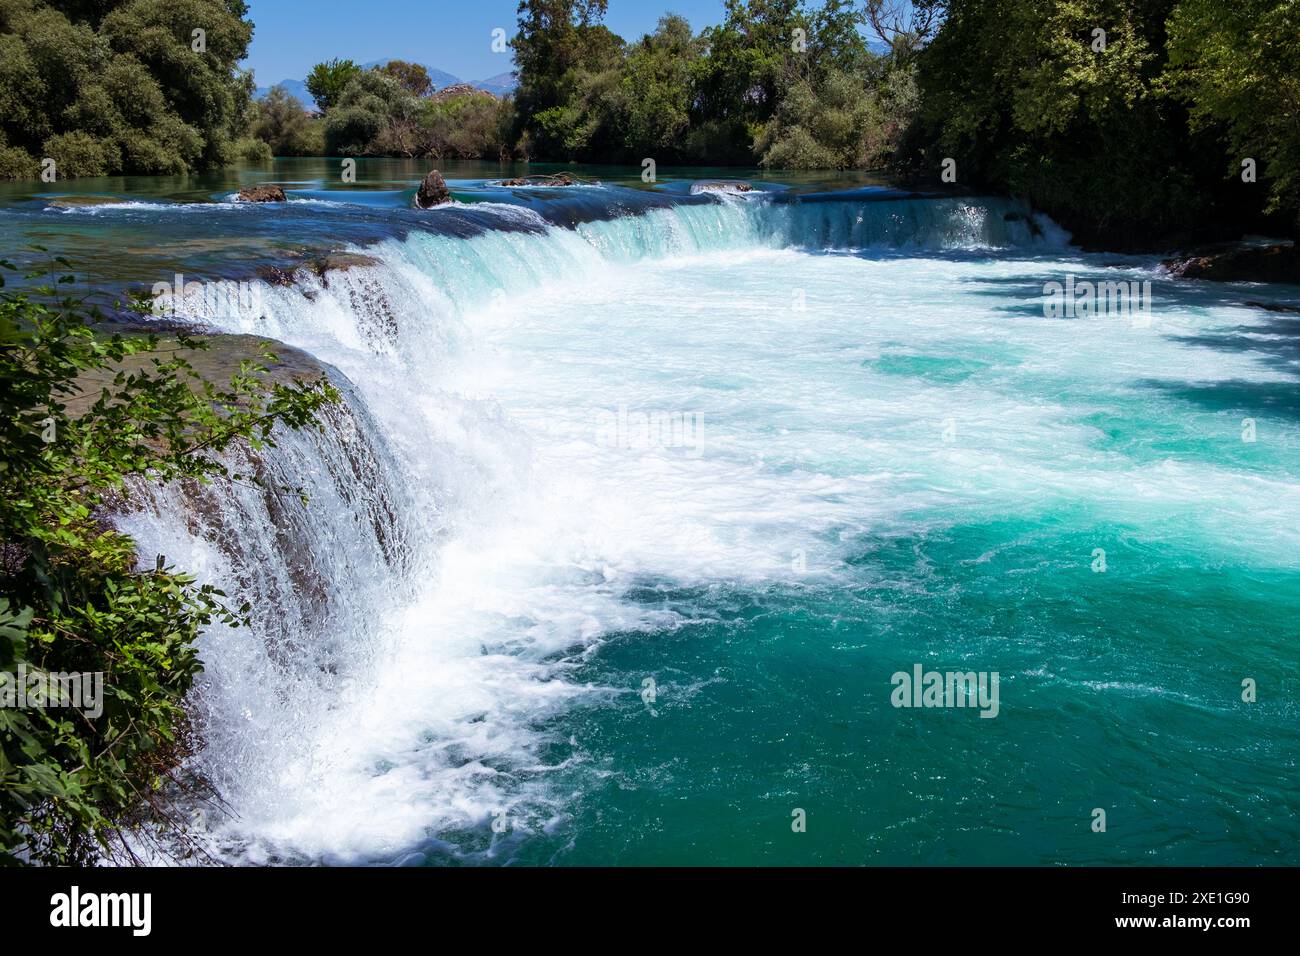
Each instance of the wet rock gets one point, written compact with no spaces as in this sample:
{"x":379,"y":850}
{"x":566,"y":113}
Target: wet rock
{"x":554,"y":179}
{"x":322,"y":266}
{"x":266,"y":193}
{"x":1279,"y":262}
{"x":275,"y":275}
{"x":217,"y":363}
{"x":81,"y":202}
{"x":433,"y":191}
{"x":722,"y":186}
{"x":341,"y":261}
{"x":1274,"y":307}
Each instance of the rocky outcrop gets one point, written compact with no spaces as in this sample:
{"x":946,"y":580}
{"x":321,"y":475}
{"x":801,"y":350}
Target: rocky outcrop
{"x":223,"y":358}
{"x":433,"y":191}
{"x":321,"y":265}
{"x":341,"y":262}
{"x":458,"y":90}
{"x":554,"y":179}
{"x":1279,"y":262}
{"x":722,"y":186}
{"x":267,"y":193}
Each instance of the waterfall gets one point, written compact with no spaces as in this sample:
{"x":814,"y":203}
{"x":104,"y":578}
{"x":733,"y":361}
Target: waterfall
{"x":413,"y":623}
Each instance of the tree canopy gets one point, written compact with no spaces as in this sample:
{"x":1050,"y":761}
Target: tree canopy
{"x":114,"y":86}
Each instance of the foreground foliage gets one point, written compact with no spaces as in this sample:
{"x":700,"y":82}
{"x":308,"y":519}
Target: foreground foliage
{"x":72,"y":597}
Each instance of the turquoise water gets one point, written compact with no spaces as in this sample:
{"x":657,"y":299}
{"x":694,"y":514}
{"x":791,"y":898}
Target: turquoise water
{"x":606,"y":645}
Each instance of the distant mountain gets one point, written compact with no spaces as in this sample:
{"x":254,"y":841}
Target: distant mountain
{"x":295,"y":88}
{"x":498,"y":85}
{"x":440,"y":78}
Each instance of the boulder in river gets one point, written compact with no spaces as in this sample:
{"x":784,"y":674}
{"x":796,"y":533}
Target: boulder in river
{"x":553,"y":179}
{"x":1279,"y":262}
{"x":722,"y":186}
{"x":433,"y":191}
{"x":265,"y":193}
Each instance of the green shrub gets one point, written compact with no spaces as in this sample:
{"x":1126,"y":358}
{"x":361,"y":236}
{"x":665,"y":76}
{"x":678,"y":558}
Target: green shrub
{"x":280,"y":121}
{"x":74,"y":599}
{"x":124,"y":73}
{"x":17,"y":163}
{"x":352,"y":130}
{"x":253,"y":150}
{"x":80,"y":154}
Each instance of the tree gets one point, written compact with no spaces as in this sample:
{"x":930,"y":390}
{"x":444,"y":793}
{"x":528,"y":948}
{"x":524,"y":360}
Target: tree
{"x":327,"y":81}
{"x":750,"y":58}
{"x":559,"y":48}
{"x":370,"y":106}
{"x":118,"y":86}
{"x":656,"y":86}
{"x":283,"y":124}
{"x":412,"y":77}
{"x":1027,"y":97}
{"x":1238,"y":68}
{"x":819,"y":127}
{"x":904,"y":25}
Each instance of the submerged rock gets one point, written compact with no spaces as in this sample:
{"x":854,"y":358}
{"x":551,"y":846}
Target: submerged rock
{"x":80,"y":202}
{"x":322,"y":266}
{"x":1279,"y":262}
{"x":433,"y":191}
{"x":553,"y":179}
{"x":341,"y":261}
{"x":276,"y":275}
{"x":722,"y":186}
{"x":267,"y":193}
{"x":1274,"y":307}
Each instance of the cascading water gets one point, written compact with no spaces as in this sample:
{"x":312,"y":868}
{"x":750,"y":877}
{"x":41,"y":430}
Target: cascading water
{"x":427,"y":626}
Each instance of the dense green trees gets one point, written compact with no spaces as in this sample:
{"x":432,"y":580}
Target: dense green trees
{"x":108,"y":86}
{"x":378,"y":113}
{"x":1238,"y":68}
{"x":563,"y":55}
{"x":778,"y":82}
{"x":1121,"y":118}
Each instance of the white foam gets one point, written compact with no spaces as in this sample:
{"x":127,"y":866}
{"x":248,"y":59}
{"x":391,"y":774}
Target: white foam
{"x":489,"y":369}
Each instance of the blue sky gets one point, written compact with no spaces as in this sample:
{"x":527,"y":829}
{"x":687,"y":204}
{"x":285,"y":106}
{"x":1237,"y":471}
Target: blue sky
{"x":451,"y":35}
